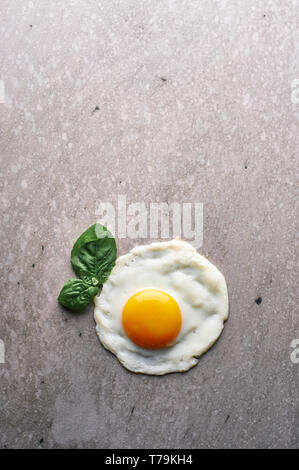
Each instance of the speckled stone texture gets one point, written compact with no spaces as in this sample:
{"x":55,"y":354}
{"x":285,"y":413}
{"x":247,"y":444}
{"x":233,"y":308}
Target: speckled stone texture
{"x":180,"y":100}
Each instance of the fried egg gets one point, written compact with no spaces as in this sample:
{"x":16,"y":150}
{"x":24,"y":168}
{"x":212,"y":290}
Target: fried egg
{"x":162,"y":307}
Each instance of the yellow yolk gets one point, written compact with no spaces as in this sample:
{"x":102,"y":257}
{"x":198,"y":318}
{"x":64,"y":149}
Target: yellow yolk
{"x":152,"y":319}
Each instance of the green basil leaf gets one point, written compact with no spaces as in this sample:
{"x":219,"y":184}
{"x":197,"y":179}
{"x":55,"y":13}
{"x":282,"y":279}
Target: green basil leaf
{"x":94,"y":254}
{"x":77,"y":294}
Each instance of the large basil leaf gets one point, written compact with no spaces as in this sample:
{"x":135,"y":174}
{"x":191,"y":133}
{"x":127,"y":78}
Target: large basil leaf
{"x":77,"y":294}
{"x":94,"y":253}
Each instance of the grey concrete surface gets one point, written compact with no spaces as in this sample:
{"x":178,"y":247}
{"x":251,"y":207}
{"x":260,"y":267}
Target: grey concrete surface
{"x":189,"y":101}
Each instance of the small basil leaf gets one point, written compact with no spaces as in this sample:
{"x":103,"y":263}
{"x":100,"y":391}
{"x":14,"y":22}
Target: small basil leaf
{"x":94,"y":254}
{"x":76,"y":294}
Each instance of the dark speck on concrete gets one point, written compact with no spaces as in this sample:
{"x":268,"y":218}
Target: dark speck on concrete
{"x":30,"y":25}
{"x":43,"y":247}
{"x":80,"y":334}
{"x":132,"y":410}
{"x":163,"y":79}
{"x":258,"y":301}
{"x":226,"y":419}
{"x":66,"y":319}
{"x":18,"y":283}
{"x":41,"y":440}
{"x":33,"y":265}
{"x":95,"y":110}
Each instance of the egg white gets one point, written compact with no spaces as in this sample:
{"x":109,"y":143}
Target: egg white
{"x":194,"y":282}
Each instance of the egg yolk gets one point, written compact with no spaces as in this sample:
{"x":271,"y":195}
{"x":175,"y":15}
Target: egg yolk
{"x":152,"y":319}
